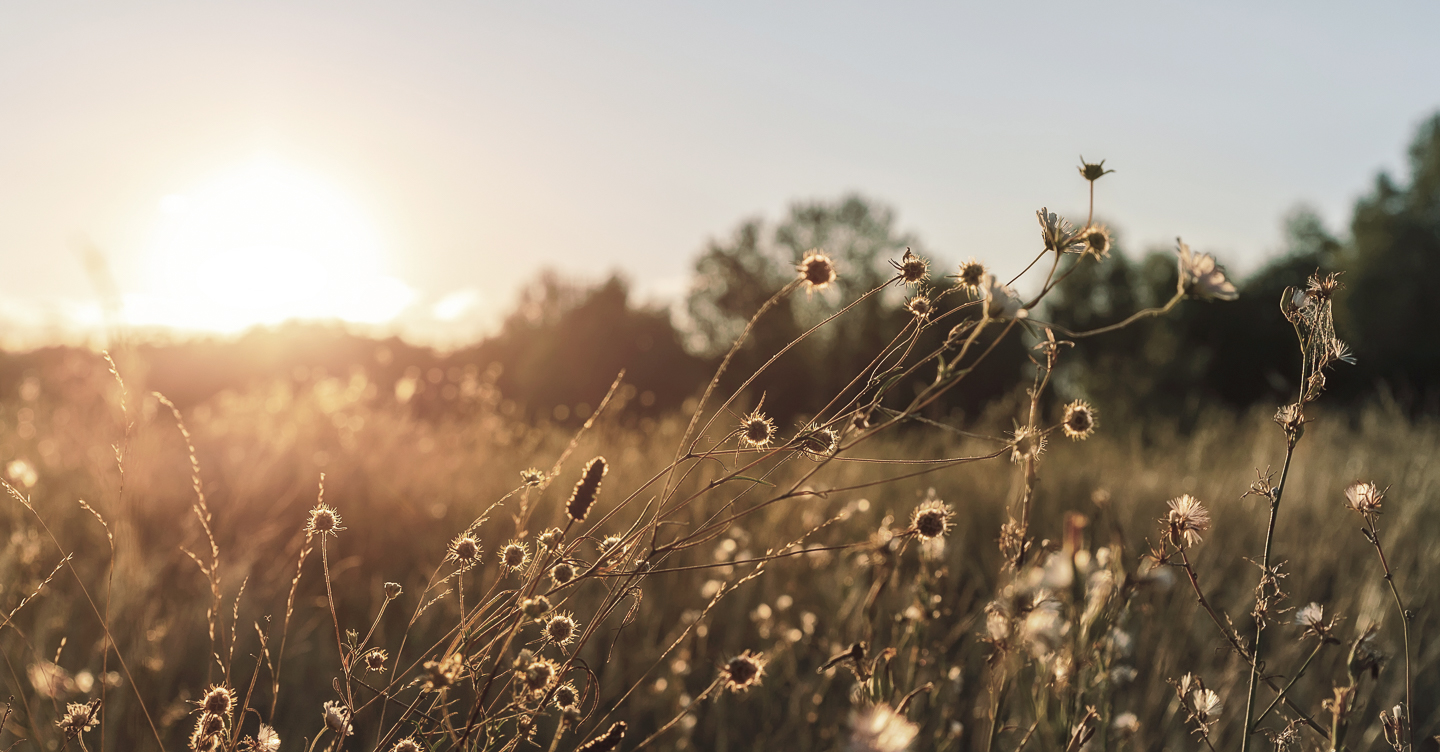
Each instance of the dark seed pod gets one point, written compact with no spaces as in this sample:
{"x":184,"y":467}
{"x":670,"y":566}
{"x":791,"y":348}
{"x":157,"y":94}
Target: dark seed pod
{"x":610,"y":740}
{"x":586,"y":490}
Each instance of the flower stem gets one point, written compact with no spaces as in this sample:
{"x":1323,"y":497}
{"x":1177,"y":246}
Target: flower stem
{"x":1404,"y":628}
{"x":1264,"y":573}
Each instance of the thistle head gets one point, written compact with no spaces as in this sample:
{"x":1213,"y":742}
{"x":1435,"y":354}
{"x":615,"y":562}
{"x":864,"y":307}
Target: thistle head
{"x":816,"y":270}
{"x":743,"y":671}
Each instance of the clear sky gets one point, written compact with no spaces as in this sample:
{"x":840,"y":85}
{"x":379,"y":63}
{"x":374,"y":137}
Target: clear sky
{"x":420,"y":160}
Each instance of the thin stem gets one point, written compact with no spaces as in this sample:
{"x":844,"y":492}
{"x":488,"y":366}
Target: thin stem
{"x":1290,"y":684}
{"x":1404,"y":628}
{"x":1275,"y":496}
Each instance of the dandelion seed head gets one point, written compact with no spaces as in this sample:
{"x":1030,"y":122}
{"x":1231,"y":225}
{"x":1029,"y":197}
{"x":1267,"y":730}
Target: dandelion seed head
{"x":1207,"y":706}
{"x":267,"y":739}
{"x":743,"y":671}
{"x":816,"y":269}
{"x":1188,"y":518}
{"x":1079,"y":420}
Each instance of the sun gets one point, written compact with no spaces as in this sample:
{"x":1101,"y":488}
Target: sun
{"x":260,"y":244}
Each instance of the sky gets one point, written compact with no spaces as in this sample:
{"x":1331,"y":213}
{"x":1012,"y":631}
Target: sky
{"x":411,"y":165}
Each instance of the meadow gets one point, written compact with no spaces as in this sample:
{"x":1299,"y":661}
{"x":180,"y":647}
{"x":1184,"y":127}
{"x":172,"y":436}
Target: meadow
{"x":310,"y":564}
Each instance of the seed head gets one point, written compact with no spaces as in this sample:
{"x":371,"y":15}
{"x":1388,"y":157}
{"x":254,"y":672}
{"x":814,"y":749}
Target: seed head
{"x":532,"y":477}
{"x":444,"y":672}
{"x":1323,"y":288}
{"x":1312,"y":620}
{"x":1026,"y":444}
{"x":1207,"y":706}
{"x":79,"y":717}
{"x":267,"y":739}
{"x":920,"y":307}
{"x":1201,"y":277}
{"x":535,"y":607}
{"x":743,"y":671}
{"x":324,"y":520}
{"x":208,"y":733}
{"x":587,"y":489}
{"x":1187,"y":520}
{"x":560,"y":629}
{"x":1364,"y":497}
{"x":756,"y":430}
{"x":464,"y":551}
{"x":514,"y":555}
{"x":1059,"y":235}
{"x":566,"y":696}
{"x":393,"y":590}
{"x":337,"y":719}
{"x":1093,"y":172}
{"x":375,"y":660}
{"x":562,"y":573}
{"x":408,"y":744}
{"x":932,"y":518}
{"x":218,"y":700}
{"x":816,"y":269}
{"x":1079,"y":420}
{"x":1096,"y":239}
{"x":818,"y":442}
{"x":972,"y":276}
{"x":911,"y":269}
{"x":540,"y":674}
{"x":551,"y":538}
{"x":1001,"y":301}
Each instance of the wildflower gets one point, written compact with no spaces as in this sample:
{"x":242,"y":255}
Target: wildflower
{"x":540,"y":674}
{"x":408,"y":744}
{"x":535,"y":607}
{"x":1364,"y":497}
{"x":1026,"y":444}
{"x":560,"y":629}
{"x":465,"y":551}
{"x":1079,"y":420}
{"x":756,"y":430}
{"x":79,"y":717}
{"x":1058,"y":234}
{"x":1096,"y":241}
{"x":324,"y":520}
{"x":607,"y":741}
{"x":1188,"y":519}
{"x":818,"y":442}
{"x":879,"y":728}
{"x":743,"y":671}
{"x":267,"y":739}
{"x":912,"y":270}
{"x":532,"y":477}
{"x":586,"y":489}
{"x":1002,"y":302}
{"x":337,"y":719}
{"x":562,"y":573}
{"x":566,"y":696}
{"x":816,"y":269}
{"x":393,"y":590}
{"x":218,"y":700}
{"x":920,"y":307}
{"x":375,"y":660}
{"x":1093,"y":172}
{"x":1207,"y":707}
{"x":972,"y":276}
{"x":514,"y":555}
{"x":1312,"y":619}
{"x":1201,"y":277}
{"x":932,"y":518}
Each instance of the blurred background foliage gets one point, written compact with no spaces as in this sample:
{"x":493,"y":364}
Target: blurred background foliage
{"x":558,"y":351}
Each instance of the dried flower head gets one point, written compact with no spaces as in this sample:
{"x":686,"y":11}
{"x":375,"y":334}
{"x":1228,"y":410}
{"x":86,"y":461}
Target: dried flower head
{"x":1311,"y":619}
{"x":818,"y":442}
{"x":878,"y":728}
{"x":1364,"y":497}
{"x":562,"y":573}
{"x":79,"y":717}
{"x":1201,"y":277}
{"x":1093,"y":172}
{"x":408,"y":744}
{"x":337,"y":719}
{"x":464,"y":551}
{"x":932,"y":518}
{"x":1207,"y":706}
{"x":1059,"y":235}
{"x":743,"y":671}
{"x":1078,"y":421}
{"x":911,"y":269}
{"x":920,"y":307}
{"x":551,"y":538}
{"x":442,"y":673}
{"x":267,"y":739}
{"x":816,"y":270}
{"x":540,"y":674}
{"x":393,"y":590}
{"x":535,"y":607}
{"x":972,"y":276}
{"x":532,"y":477}
{"x":218,"y":700}
{"x":324,"y":520}
{"x":514,"y":555}
{"x":756,"y":430}
{"x":587,"y":489}
{"x":1323,"y":288}
{"x":1001,"y":301}
{"x":566,"y":696}
{"x":209,"y":732}
{"x":560,"y":629}
{"x":1188,"y":518}
{"x":1096,"y":239}
{"x":1026,"y":444}
{"x":375,"y":660}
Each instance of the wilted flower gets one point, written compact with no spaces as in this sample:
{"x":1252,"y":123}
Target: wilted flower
{"x":1188,"y":519}
{"x":1312,"y":619}
{"x":1026,"y":444}
{"x":540,"y":674}
{"x":932,"y":518}
{"x":79,"y":717}
{"x":535,"y":607}
{"x":408,"y":744}
{"x":1058,"y":234}
{"x":1207,"y":707}
{"x":972,"y":275}
{"x":560,"y":629}
{"x":464,"y":551}
{"x":266,"y":739}
{"x":756,"y":430}
{"x":324,"y":520}
{"x":444,"y":672}
{"x":1001,"y":301}
{"x":375,"y":660}
{"x":1096,"y":239}
{"x":911,"y":269}
{"x":337,"y":719}
{"x":743,"y":671}
{"x":566,"y":696}
{"x":818,"y":442}
{"x":1364,"y":497}
{"x":218,"y":700}
{"x":393,"y":590}
{"x":1126,"y":723}
{"x":551,"y":538}
{"x":878,"y":728}
{"x":816,"y":270}
{"x":532,"y":477}
{"x":1201,"y":277}
{"x":920,"y":307}
{"x":562,"y":573}
{"x":1093,"y":172}
{"x":514,"y":555}
{"x":1079,"y":420}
